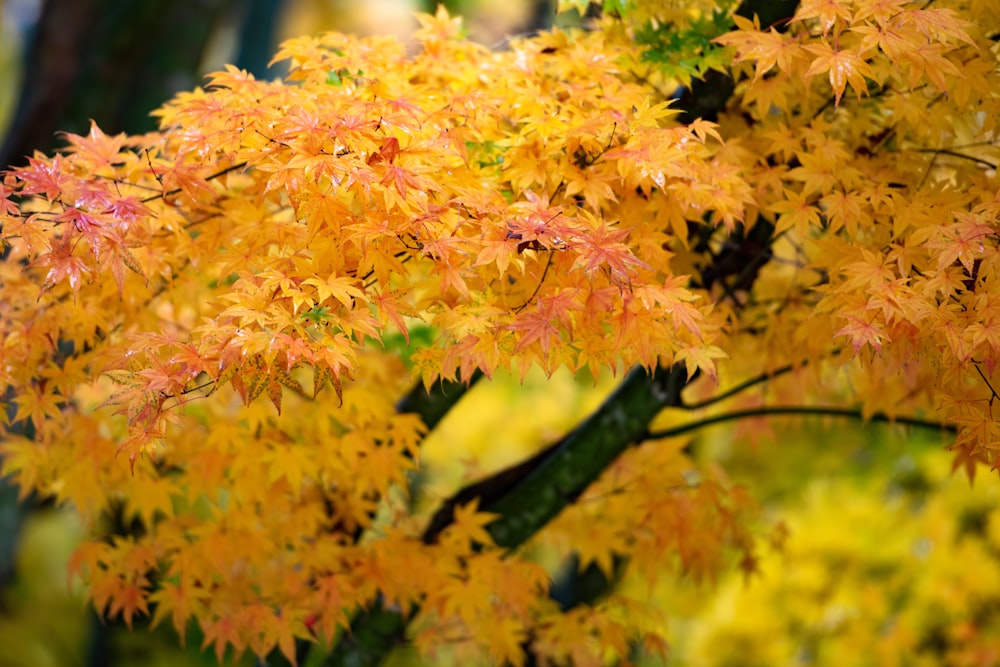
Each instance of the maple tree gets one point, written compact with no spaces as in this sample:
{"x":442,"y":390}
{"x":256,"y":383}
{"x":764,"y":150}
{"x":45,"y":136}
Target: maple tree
{"x":236,"y":304}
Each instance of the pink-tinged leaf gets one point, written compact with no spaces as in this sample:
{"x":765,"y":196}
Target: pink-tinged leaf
{"x":862,"y":332}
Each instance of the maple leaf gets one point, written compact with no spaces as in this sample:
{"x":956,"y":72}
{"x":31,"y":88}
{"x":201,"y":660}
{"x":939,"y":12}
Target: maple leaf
{"x":152,"y":499}
{"x":43,"y":177}
{"x":768,"y":49}
{"x":842,"y":66}
{"x":62,"y":265}
{"x":675,"y":299}
{"x":593,"y":186}
{"x":938,"y":25}
{"x":603,"y":248}
{"x":969,"y":458}
{"x":330,"y":590}
{"x":180,"y":602}
{"x":506,"y":639}
{"x":500,"y":249}
{"x":468,"y":528}
{"x":283,"y":630}
{"x":541,"y":324}
{"x":129,"y":599}
{"x":796,"y":211}
{"x":37,"y":405}
{"x":843,"y":210}
{"x":187,"y":179}
{"x":828,"y":12}
{"x":821,"y":171}
{"x":97,"y":148}
{"x":963,"y":241}
{"x":341,"y":288}
{"x":864,"y":332}
{"x":439,"y":26}
{"x":701,"y":358}
{"x":985,"y":332}
{"x":7,"y":206}
{"x":222,"y":632}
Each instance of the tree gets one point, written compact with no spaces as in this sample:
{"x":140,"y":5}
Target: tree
{"x":814,"y":250}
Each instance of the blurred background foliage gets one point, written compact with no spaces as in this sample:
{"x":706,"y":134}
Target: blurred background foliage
{"x":63,"y":62}
{"x":889,"y":559}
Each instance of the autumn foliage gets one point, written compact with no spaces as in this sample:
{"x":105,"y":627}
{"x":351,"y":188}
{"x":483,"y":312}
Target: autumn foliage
{"x":234,"y":304}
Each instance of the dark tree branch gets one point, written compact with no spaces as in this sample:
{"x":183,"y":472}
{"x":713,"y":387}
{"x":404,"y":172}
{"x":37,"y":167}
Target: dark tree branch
{"x":799,"y":410}
{"x":729,"y":393}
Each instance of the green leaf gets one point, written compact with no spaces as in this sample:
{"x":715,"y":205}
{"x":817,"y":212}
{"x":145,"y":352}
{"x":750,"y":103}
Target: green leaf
{"x":421,"y":336}
{"x":316,"y":314}
{"x":687,"y":52}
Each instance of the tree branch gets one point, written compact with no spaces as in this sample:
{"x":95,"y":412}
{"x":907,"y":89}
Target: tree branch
{"x":804,"y":410}
{"x":729,"y":393}
{"x":542,"y":487}
{"x":433,"y":405}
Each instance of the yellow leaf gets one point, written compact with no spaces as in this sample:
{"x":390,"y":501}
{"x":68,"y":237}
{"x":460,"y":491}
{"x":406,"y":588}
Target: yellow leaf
{"x":842,"y":66}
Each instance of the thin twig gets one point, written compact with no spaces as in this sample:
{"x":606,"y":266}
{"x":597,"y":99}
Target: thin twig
{"x":791,"y":410}
{"x":763,"y":377}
